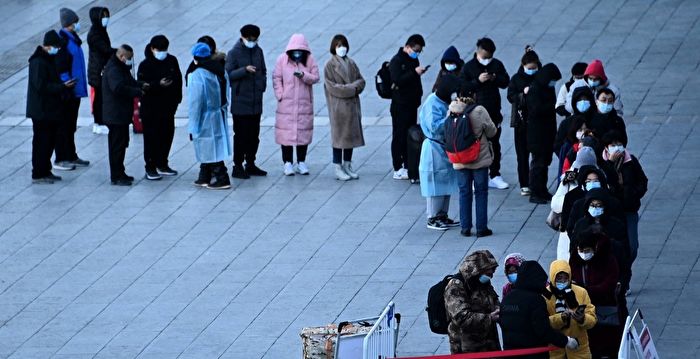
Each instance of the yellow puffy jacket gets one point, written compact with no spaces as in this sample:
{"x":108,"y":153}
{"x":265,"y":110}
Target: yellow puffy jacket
{"x":574,"y":329}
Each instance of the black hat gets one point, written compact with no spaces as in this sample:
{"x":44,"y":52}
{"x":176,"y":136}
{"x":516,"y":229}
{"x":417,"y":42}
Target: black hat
{"x":51,"y":38}
{"x":250,"y":30}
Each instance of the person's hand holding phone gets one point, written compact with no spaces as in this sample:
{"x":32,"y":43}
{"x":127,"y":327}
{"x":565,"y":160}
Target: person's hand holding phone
{"x":421,"y":70}
{"x":298,"y":74}
{"x":251,"y":69}
{"x":484,"y":77}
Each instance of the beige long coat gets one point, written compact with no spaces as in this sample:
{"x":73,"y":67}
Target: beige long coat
{"x":343,"y":85}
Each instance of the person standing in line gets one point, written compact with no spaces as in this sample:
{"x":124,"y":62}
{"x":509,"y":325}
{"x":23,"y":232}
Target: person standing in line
{"x":482,"y":78}
{"x":209,"y":132}
{"x":595,"y":78}
{"x":161,"y":71}
{"x":245,"y":65}
{"x":100,"y":51}
{"x":438,"y":177}
{"x":541,"y":130}
{"x":44,"y":92}
{"x":517,"y":92}
{"x":295,"y":72}
{"x":407,"y":91}
{"x":576,"y":74}
{"x":70,"y":62}
{"x":119,"y":89}
{"x":510,"y":267}
{"x":450,"y":64}
{"x":216,"y":56}
{"x":343,"y":84}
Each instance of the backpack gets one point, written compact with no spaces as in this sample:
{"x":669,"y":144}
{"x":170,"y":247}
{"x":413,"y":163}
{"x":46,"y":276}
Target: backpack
{"x":383,"y":81}
{"x":437,"y":314}
{"x":461,"y":144}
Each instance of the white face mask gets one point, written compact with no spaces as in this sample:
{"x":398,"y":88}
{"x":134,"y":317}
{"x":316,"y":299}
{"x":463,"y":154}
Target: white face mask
{"x":249,"y":44}
{"x":616,"y":149}
{"x":450,"y":67}
{"x":341,"y":51}
{"x":585,"y":256}
{"x":129,"y":62}
{"x":160,"y":55}
{"x":105,"y":21}
{"x":484,"y":62}
{"x":579,"y":135}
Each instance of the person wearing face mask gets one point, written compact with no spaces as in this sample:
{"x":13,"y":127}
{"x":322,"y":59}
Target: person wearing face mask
{"x":579,"y":136}
{"x":595,"y":78}
{"x":450,"y":64}
{"x":438,"y":177}
{"x":245,"y":65}
{"x":517,"y":92}
{"x":573,"y":129}
{"x":472,"y":305}
{"x":589,"y":179}
{"x":70,"y":63}
{"x":343,"y":84}
{"x":407,"y":90}
{"x":482,"y":78}
{"x":119,"y":89}
{"x":100,"y":50}
{"x":577,"y":72}
{"x":541,"y":130}
{"x":44,"y":92}
{"x":570,"y":311}
{"x":510,"y":268}
{"x":524,"y":318}
{"x":594,"y":267}
{"x":628,"y":183}
{"x":295,"y":73}
{"x":161,"y":71}
{"x":219,"y":57}
{"x":605,"y":118}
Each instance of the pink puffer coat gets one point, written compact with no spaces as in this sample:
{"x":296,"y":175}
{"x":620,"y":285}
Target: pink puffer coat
{"x":294,"y":119}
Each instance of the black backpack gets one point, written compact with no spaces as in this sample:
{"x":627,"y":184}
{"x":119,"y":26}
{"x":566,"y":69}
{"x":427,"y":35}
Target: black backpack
{"x":461,"y":144}
{"x":383,"y":81}
{"x":437,"y":314}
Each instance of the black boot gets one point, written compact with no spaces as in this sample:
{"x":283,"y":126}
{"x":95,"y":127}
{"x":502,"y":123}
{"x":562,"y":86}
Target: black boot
{"x":204,"y":175}
{"x":221,"y":180}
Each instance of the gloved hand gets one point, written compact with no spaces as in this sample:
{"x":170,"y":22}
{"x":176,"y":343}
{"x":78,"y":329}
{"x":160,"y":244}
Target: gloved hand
{"x":572,"y":344}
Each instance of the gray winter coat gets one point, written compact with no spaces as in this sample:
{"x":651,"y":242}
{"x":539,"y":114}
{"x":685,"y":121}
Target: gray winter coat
{"x":246,"y":88}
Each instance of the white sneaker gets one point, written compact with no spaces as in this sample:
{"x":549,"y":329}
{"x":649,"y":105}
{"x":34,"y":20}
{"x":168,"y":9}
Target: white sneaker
{"x":401,"y":174}
{"x":524,"y":191}
{"x":498,"y":182}
{"x":347,"y":167}
{"x":100,"y":129}
{"x":301,"y":168}
{"x":96,"y":129}
{"x":288,"y":169}
{"x":340,"y":173}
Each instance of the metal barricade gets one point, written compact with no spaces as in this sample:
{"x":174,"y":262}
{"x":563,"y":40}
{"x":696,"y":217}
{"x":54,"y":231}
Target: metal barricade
{"x":378,"y":343}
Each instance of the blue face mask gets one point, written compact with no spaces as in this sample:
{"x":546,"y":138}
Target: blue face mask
{"x":105,"y":21}
{"x":53,"y":51}
{"x":595,"y":211}
{"x":413,"y":55}
{"x":296,"y":54}
{"x":552,"y":83}
{"x":583,"y":105}
{"x":604,"y":107}
{"x":484,"y":279}
{"x":593,"y":83}
{"x":592,"y":185}
{"x":562,"y":286}
{"x":512,"y":277}
{"x":77,"y":27}
{"x":530,"y":71}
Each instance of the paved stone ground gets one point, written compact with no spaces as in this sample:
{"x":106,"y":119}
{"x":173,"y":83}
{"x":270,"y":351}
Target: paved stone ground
{"x":163,"y":269}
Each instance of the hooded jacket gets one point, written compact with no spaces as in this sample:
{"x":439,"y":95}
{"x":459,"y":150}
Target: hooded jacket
{"x":628,"y":182}
{"x":158,"y":99}
{"x":487,"y":93}
{"x":541,"y":117}
{"x":294,"y":118}
{"x":516,"y":96}
{"x":524,"y":317}
{"x":570,"y":327}
{"x":100,"y":47}
{"x":469,"y":304}
{"x":595,"y":68}
{"x":246,"y":88}
{"x":406,"y":83}
{"x":613,"y":214}
{"x":563,"y":142}
{"x":118,"y":90}
{"x":44,"y":88}
{"x":450,"y":55}
{"x":602,"y":123}
{"x":569,"y":216}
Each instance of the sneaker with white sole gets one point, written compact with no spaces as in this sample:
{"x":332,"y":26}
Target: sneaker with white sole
{"x":340,"y":173}
{"x":498,"y":182}
{"x":401,"y":174}
{"x":288,"y":169}
{"x":347,"y":167}
{"x":301,"y":168}
{"x":436,"y":224}
{"x":524,"y":191}
{"x":64,"y":166}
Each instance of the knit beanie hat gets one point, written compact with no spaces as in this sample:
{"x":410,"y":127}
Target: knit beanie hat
{"x":68,"y":17}
{"x":584,"y":157}
{"x":51,"y":38}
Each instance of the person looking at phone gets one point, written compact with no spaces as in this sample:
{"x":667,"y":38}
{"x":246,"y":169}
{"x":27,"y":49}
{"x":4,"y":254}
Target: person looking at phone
{"x":407,"y":91}
{"x":482,"y":78}
{"x":570,"y":310}
{"x":161,"y":71}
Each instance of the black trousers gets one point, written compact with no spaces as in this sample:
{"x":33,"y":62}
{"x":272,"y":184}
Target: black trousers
{"x":340,"y":155}
{"x":65,"y":143}
{"x":495,"y":168}
{"x":158,"y":133}
{"x":403,"y":116}
{"x":288,"y":155}
{"x":97,"y":105}
{"x":118,"y":140}
{"x":246,"y":138}
{"x":522,"y":155}
{"x":538,"y":173}
{"x":43,"y":144}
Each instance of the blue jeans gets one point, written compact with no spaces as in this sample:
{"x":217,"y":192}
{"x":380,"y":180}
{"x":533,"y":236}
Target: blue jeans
{"x":633,"y":234}
{"x":480,"y":179}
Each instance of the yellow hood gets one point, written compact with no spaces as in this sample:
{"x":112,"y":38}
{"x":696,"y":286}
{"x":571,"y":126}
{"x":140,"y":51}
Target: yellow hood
{"x":558,"y":266}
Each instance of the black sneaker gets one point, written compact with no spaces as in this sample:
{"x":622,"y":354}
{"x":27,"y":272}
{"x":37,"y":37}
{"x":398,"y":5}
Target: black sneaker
{"x":466,"y":232}
{"x":64,"y":166}
{"x":80,"y":162}
{"x":218,"y":185}
{"x":201,"y":183}
{"x":436,"y":224}
{"x":538,"y":200}
{"x":122,"y":182}
{"x":166,"y":171}
{"x":153,"y":175}
{"x":53,"y":177}
{"x":129,"y":178}
{"x":254,"y":170}
{"x":239,"y":172}
{"x":484,"y":233}
{"x":42,"y":180}
{"x":448,"y":221}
